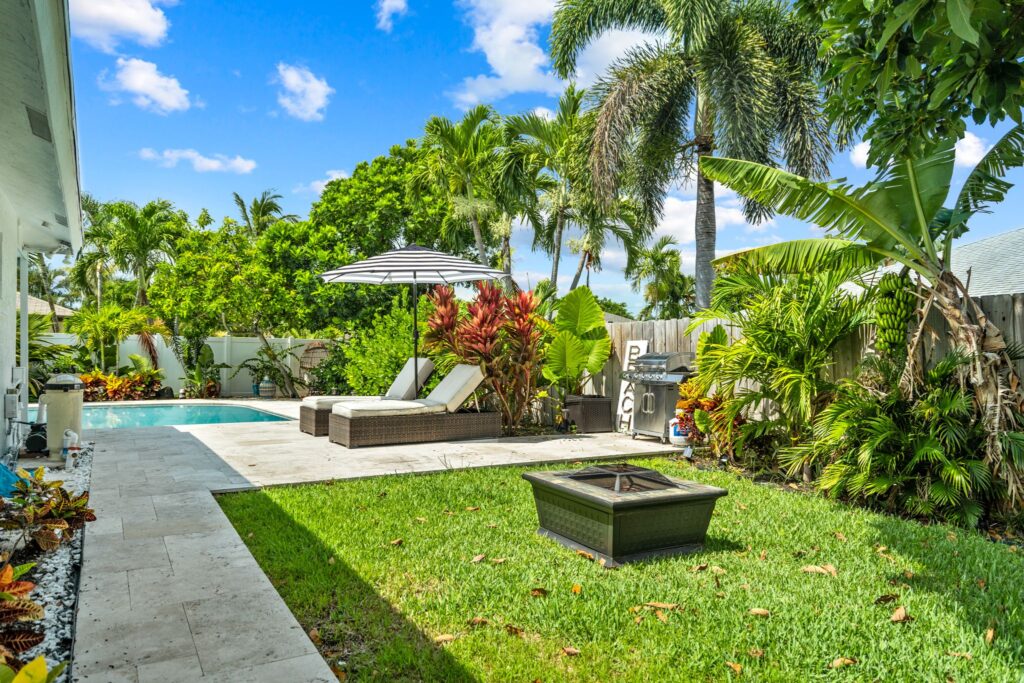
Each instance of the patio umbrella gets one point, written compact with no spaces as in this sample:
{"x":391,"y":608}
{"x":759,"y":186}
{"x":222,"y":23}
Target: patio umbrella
{"x":413,"y":265}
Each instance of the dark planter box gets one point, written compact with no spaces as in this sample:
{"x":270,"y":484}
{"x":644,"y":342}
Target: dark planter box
{"x":651,"y":515}
{"x":591,"y":414}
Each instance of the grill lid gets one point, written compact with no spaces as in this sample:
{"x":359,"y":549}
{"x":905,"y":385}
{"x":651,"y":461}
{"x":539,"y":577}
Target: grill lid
{"x":660,"y":362}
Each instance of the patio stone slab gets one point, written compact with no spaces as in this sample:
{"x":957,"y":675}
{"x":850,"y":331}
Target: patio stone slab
{"x":171,"y":593}
{"x":231,"y":633}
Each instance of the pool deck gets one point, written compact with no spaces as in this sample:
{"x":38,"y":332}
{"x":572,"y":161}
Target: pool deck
{"x":169,"y":590}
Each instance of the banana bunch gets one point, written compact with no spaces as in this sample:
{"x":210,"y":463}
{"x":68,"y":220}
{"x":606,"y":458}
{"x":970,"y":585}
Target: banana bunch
{"x":894,"y":309}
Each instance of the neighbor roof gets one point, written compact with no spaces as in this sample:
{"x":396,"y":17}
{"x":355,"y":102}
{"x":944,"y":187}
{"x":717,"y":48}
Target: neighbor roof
{"x":37,"y":305}
{"x":996,"y":264}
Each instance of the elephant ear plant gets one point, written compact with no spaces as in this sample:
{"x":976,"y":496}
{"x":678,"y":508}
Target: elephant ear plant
{"x":580,"y":346}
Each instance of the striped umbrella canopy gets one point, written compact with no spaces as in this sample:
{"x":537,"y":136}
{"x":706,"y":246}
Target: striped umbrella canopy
{"x":413,"y":265}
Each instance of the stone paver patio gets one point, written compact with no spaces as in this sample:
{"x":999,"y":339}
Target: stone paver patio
{"x":169,"y":590}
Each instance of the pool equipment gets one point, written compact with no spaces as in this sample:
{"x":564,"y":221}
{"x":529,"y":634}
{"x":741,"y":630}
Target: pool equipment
{"x":63,"y":400}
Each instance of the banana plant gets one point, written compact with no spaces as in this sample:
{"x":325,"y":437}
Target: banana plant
{"x":899,"y":218}
{"x":581,"y":345}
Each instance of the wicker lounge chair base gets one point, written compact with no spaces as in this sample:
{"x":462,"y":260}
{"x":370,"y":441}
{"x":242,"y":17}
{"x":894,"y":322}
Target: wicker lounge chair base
{"x":314,"y":421}
{"x":398,"y":429}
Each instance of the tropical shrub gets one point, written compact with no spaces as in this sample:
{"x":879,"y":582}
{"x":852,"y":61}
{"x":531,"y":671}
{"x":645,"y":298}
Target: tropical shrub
{"x":580,"y":346}
{"x":137,"y":382}
{"x":42,"y":353}
{"x":99,"y":331}
{"x":368,"y":359}
{"x":500,"y":332}
{"x":921,"y":455}
{"x":270,"y":363}
{"x":777,"y":373}
{"x":899,"y":217}
{"x":34,"y":672}
{"x":202,"y":374}
{"x":43,"y":511}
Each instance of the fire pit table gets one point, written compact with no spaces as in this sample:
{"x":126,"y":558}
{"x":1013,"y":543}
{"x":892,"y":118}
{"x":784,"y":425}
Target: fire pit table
{"x":621,"y":513}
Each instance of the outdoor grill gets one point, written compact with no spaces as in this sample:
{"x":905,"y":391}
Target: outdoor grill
{"x":656,"y":378}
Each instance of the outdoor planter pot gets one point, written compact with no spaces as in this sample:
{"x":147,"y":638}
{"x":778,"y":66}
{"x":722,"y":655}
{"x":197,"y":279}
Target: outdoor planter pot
{"x":621,"y":513}
{"x":591,"y":414}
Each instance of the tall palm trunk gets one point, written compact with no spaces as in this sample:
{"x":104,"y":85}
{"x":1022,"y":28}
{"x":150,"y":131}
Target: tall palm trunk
{"x":584,"y":257}
{"x":990,"y":373}
{"x":556,"y":249}
{"x":478,"y":237}
{"x":705,"y":230}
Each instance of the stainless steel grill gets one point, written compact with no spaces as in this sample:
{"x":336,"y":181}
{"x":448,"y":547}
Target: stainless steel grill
{"x":655,"y":378}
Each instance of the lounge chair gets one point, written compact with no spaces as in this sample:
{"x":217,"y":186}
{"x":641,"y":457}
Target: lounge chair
{"x":434,"y":418}
{"x":316,"y":410}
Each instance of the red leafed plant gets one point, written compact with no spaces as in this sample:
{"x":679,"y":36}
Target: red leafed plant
{"x":497,"y":331}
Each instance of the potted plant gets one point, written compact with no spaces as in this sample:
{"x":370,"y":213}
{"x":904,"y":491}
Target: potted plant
{"x":267,"y":370}
{"x":578,"y":351}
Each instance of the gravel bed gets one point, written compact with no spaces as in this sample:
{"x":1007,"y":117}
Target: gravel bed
{"x":56,"y":576}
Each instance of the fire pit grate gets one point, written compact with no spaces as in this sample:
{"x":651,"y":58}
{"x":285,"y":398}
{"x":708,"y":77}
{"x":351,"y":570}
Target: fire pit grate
{"x":623,"y":478}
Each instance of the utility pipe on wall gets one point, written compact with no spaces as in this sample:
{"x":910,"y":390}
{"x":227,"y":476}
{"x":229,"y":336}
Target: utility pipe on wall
{"x":23,"y":265}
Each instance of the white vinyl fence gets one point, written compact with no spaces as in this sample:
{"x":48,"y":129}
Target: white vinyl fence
{"x":230,"y":350}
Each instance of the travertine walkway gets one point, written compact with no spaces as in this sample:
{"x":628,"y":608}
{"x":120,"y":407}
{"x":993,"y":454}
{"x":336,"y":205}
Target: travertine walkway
{"x":169,"y":590}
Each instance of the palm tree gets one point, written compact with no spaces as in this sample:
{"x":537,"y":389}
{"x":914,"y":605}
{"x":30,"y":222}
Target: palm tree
{"x":139,"y":238}
{"x":598,"y":225}
{"x":109,"y":325}
{"x":738,"y":77}
{"x":260,"y":214}
{"x":461,"y":158}
{"x":899,"y":218}
{"x":657,"y":270}
{"x":557,"y":144}
{"x":46,"y":282}
{"x":94,"y":263}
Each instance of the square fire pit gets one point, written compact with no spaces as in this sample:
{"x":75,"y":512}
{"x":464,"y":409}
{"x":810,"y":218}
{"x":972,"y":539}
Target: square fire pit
{"x":620,"y":513}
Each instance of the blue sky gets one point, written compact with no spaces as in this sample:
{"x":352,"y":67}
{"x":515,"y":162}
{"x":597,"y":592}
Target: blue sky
{"x":190,"y":100}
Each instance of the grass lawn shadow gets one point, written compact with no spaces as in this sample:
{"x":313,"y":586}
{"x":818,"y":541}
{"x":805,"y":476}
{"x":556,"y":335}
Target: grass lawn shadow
{"x":353,"y":623}
{"x":984,"y":589}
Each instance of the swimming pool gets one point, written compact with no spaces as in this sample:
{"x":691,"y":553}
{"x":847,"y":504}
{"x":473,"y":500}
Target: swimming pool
{"x":96,"y":416}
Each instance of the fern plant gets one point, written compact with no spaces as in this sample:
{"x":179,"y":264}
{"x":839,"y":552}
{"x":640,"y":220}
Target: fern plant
{"x":922,"y":456}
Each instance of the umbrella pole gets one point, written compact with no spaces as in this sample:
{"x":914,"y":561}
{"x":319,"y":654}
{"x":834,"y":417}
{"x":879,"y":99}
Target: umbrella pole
{"x":415,"y":340}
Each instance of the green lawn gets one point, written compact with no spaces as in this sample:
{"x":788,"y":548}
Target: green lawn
{"x":381,"y":606}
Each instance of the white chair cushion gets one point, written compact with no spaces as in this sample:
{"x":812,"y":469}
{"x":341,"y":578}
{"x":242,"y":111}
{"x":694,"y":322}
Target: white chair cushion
{"x":457,"y":386}
{"x":387,"y":407}
{"x":403,"y":388}
{"x":325,"y":402}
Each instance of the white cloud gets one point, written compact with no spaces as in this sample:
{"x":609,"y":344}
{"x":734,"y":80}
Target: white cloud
{"x":594,"y":60}
{"x":387,"y":10}
{"x":544,"y":113}
{"x":149,"y":89}
{"x":105,"y":23}
{"x":507,"y":32}
{"x":680,"y":215}
{"x":317,"y":186}
{"x":859,"y":154}
{"x":169,"y":158}
{"x":970,"y":150}
{"x":303,"y":95}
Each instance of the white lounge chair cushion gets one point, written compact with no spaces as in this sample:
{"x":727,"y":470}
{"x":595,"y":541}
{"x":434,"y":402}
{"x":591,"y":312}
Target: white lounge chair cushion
{"x":457,"y":386}
{"x":327,"y":402}
{"x":404,"y":388}
{"x":387,"y":407}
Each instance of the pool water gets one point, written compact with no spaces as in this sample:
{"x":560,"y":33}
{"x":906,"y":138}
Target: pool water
{"x":167,"y":415}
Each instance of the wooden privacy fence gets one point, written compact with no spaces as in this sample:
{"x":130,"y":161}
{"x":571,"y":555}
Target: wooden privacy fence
{"x":1006,"y":311}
